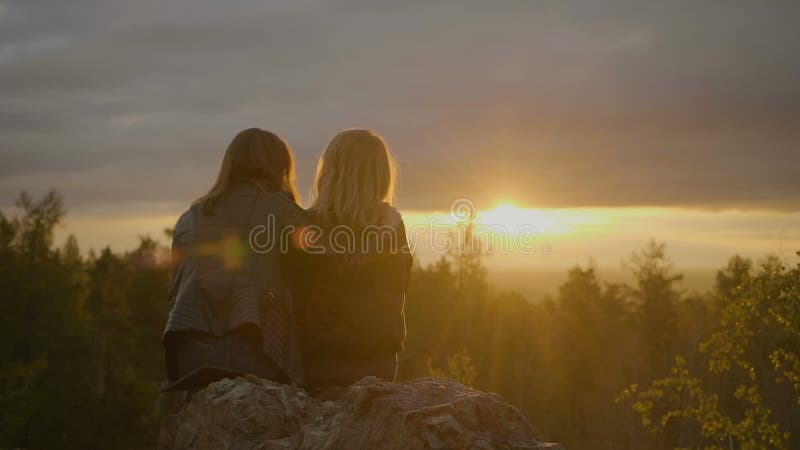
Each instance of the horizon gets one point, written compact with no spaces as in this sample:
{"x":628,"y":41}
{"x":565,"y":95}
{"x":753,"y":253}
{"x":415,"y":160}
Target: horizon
{"x":601,"y":237}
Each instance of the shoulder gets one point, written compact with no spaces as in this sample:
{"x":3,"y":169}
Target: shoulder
{"x":390,"y":215}
{"x":185,"y":224}
{"x":287,"y":210}
{"x":186,"y":220}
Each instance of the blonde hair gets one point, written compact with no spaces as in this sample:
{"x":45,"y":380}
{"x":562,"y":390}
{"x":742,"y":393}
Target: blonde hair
{"x":257,"y":156}
{"x":355,"y":174}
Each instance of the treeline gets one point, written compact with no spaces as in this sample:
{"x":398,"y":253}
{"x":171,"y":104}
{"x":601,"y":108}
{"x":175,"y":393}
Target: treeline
{"x":601,"y":366}
{"x":79,"y":337}
{"x":613,"y":366}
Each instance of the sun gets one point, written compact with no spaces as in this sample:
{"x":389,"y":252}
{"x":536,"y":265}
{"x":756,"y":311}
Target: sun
{"x":550,"y":221}
{"x":506,"y":215}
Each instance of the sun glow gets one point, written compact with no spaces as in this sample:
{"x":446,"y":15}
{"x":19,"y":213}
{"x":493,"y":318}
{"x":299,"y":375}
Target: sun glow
{"x":551,"y":221}
{"x":568,"y":236}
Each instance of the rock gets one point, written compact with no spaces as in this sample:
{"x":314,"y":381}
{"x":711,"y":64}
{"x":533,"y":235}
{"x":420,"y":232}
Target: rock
{"x":427,"y":413}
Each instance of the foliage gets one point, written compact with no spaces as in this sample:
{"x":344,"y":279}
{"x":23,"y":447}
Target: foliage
{"x":755,"y":347}
{"x":673,"y":404}
{"x":79,"y":338}
{"x":565,"y":360}
{"x":459,"y":368}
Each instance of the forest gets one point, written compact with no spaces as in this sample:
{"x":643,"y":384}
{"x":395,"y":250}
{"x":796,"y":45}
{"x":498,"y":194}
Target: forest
{"x":597,"y":366}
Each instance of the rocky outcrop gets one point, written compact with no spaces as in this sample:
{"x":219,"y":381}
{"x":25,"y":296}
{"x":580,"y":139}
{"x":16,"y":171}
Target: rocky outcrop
{"x":427,"y":413}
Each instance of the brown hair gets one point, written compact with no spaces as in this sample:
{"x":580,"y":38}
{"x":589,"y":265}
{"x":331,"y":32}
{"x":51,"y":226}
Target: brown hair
{"x":257,"y":156}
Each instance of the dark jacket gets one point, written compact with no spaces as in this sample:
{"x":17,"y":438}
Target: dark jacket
{"x":220,"y":284}
{"x":352,"y":319}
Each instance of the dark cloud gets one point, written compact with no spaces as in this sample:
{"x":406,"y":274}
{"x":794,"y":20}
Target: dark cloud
{"x":549,"y":103}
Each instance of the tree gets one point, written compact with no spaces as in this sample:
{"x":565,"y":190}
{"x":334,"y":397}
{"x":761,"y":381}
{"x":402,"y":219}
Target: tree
{"x":459,"y":368}
{"x":41,"y":337}
{"x":80,"y":353}
{"x":657,"y":303}
{"x":756,"y":347}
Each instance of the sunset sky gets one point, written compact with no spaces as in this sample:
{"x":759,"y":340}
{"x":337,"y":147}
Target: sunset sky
{"x":605,"y":122}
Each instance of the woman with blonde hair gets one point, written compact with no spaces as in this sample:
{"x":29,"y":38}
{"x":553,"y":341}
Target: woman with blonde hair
{"x":231,"y":307}
{"x":352,"y":321}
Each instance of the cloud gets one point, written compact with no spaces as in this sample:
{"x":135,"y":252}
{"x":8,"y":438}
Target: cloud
{"x":566,"y":103}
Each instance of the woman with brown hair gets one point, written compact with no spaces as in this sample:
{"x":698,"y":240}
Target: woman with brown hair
{"x":231,"y":306}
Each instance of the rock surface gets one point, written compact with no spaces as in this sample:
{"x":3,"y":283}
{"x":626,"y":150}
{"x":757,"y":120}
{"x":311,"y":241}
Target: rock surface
{"x":428,"y":413}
